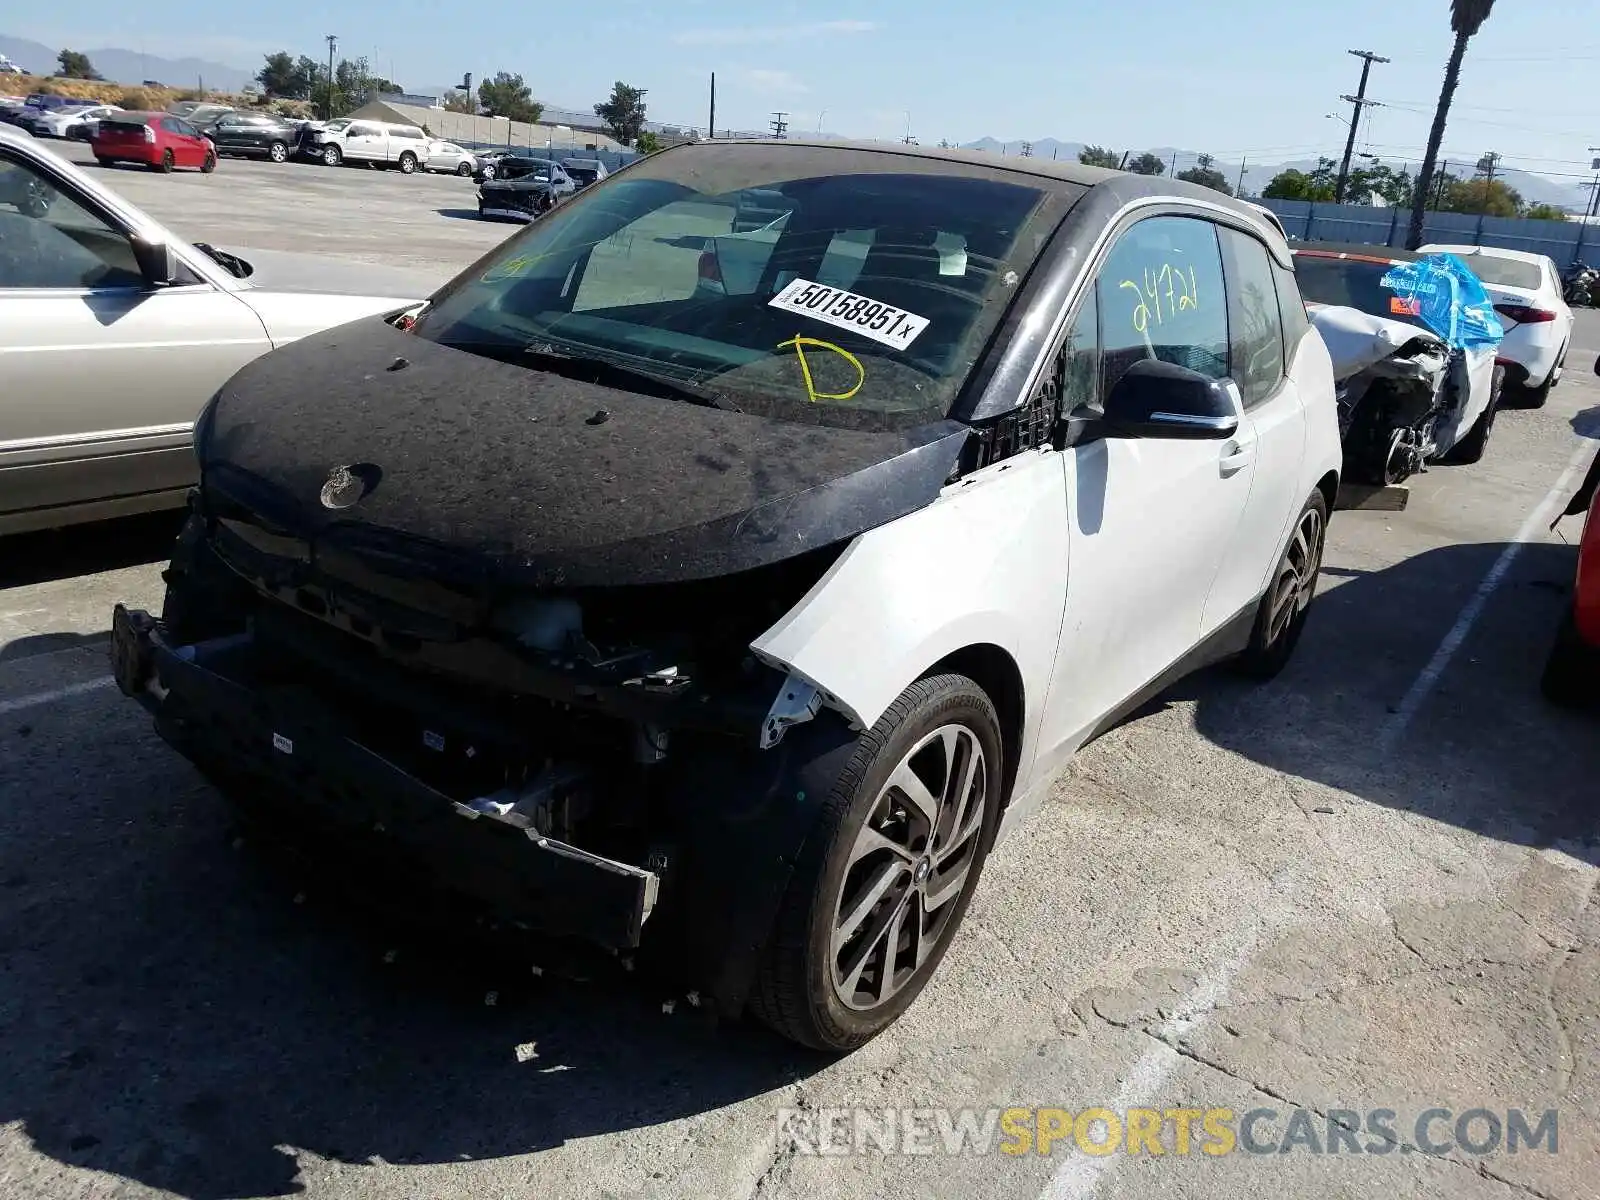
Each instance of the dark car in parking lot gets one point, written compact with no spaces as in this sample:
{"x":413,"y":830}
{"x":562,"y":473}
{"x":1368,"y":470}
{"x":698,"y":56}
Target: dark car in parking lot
{"x":524,"y":188}
{"x":255,"y":135}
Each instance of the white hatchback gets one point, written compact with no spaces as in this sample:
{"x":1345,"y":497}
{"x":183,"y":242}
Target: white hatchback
{"x":1526,"y":290}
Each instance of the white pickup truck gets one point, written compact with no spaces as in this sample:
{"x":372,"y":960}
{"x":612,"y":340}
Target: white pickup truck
{"x":379,"y":142}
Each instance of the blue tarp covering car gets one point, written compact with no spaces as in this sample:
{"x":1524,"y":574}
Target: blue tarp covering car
{"x":1450,"y":300}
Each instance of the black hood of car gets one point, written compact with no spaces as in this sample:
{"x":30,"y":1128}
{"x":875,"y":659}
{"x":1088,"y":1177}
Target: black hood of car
{"x":462,"y":465}
{"x":517,"y":185}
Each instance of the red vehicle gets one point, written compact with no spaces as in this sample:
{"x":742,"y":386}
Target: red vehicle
{"x":160,"y":141}
{"x":1572,"y":674}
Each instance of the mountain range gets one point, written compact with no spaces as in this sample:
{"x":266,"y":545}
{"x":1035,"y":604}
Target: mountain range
{"x":129,"y":66}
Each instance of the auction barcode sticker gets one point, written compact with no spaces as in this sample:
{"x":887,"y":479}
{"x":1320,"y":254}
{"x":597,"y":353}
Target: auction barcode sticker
{"x":845,"y":310}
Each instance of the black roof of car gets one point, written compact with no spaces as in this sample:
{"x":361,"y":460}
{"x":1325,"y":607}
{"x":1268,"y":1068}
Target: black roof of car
{"x":1070,"y":174}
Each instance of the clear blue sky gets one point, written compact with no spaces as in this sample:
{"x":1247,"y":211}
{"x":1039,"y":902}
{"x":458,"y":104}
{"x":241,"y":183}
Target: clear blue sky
{"x":1230,"y":76}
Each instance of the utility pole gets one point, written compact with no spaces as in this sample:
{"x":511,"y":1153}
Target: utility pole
{"x":1438,"y":190}
{"x":327,"y":108}
{"x":780,"y":125}
{"x":1486,"y":164}
{"x":1173,"y":169}
{"x":1238,"y":191}
{"x":711,"y":125}
{"x":1359,"y":102}
{"x":908,"y":139}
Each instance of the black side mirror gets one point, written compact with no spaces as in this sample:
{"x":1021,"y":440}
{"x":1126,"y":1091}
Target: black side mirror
{"x":1162,"y":400}
{"x":157,"y":262}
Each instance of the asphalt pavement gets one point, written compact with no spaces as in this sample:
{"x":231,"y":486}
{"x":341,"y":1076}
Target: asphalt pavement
{"x":1367,"y":885}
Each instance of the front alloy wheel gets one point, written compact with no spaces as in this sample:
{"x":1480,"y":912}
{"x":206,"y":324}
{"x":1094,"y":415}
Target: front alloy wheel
{"x":910,"y":862}
{"x":884,"y":879}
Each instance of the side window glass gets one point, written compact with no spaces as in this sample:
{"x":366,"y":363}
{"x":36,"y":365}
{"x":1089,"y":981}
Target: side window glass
{"x":1162,"y":297}
{"x":48,"y":240}
{"x":1254,"y":318}
{"x":1291,"y":311}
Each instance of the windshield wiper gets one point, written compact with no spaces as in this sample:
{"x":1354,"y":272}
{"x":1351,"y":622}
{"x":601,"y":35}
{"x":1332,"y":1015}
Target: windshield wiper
{"x":605,"y":371}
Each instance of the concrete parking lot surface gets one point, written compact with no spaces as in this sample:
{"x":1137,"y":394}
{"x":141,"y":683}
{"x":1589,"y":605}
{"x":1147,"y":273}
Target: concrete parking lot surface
{"x":1367,"y":885}
{"x":360,"y":214}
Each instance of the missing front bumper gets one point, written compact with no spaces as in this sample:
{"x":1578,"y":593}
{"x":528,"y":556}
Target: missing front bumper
{"x":282,"y":752}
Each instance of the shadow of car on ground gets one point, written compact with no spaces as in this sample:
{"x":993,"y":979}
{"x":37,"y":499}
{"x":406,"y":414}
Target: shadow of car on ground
{"x":88,"y":549}
{"x":1480,"y":749}
{"x":177,"y":1008}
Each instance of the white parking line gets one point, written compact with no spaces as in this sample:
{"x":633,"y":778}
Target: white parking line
{"x":1078,"y":1175}
{"x":1539,"y":518}
{"x":63,"y":693}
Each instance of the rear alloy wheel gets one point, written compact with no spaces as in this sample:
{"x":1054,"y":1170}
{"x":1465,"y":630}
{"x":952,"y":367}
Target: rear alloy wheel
{"x":168,"y":162}
{"x":331,"y":156}
{"x":464,"y":170}
{"x":278,"y":152}
{"x":488,"y":171}
{"x":883,"y":883}
{"x":210,"y":164}
{"x":408,"y":163}
{"x":1282,"y":614}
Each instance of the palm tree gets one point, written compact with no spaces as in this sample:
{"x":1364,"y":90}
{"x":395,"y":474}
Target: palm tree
{"x":1466,"y":18}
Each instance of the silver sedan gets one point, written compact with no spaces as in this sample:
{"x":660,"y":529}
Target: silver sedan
{"x":114,"y":333}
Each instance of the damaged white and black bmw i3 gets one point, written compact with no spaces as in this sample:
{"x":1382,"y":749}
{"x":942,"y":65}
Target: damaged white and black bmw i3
{"x":734,"y":625}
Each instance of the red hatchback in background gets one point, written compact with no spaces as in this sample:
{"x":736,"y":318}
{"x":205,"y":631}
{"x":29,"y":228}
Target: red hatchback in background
{"x":160,"y":141}
{"x":1572,"y":674}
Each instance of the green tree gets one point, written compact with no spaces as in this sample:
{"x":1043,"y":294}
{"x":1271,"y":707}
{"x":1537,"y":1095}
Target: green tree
{"x":74,"y":64}
{"x":1295,"y":185}
{"x":647,"y":143}
{"x":1205,"y":173}
{"x":507,"y":96}
{"x":1395,"y":188}
{"x":1147,"y":164}
{"x":283,"y":77}
{"x":455,"y":100}
{"x":1546,"y":212}
{"x":623,"y":113}
{"x":1466,"y":18}
{"x":1098,"y":156}
{"x":1482,"y":196}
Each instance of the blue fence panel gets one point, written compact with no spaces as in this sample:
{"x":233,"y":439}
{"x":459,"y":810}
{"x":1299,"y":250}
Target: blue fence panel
{"x":1563,"y":241}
